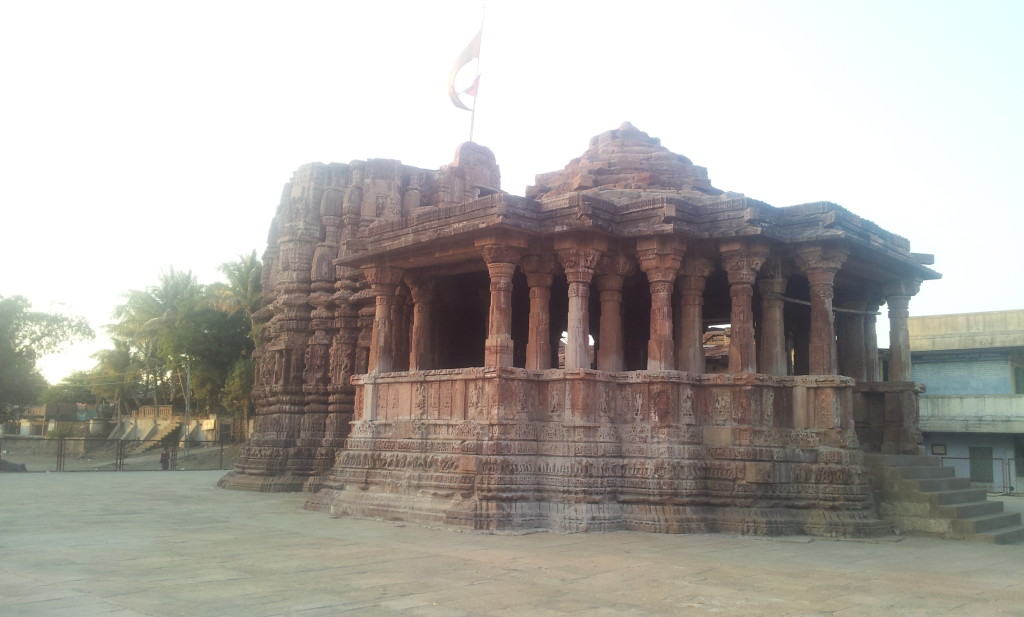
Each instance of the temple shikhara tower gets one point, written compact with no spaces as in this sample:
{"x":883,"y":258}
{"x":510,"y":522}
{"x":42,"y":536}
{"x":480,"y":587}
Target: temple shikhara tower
{"x":439,"y":351}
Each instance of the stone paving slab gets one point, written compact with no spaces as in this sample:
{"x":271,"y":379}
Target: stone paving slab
{"x":172,"y":544}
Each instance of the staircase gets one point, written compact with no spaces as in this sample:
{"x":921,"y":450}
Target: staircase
{"x":154,"y":441}
{"x":917,"y":494}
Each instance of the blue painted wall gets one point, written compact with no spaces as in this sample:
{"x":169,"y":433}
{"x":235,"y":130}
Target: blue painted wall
{"x":991,"y":374}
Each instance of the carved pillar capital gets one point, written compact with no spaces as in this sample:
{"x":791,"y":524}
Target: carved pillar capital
{"x":616,"y":264}
{"x":538,"y":263}
{"x":383,"y":275}
{"x":579,"y":258}
{"x":493,"y":253}
{"x":741,"y":264}
{"x":906,"y":287}
{"x":421,"y":287}
{"x":812,"y":257}
{"x":660,"y":257}
{"x":696,"y":266}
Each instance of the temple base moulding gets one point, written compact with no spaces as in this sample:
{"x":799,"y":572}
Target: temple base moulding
{"x":510,"y":450}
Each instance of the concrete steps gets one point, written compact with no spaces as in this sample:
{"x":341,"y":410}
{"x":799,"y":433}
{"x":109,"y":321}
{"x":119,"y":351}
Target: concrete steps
{"x":154,"y":441}
{"x":917,"y":495}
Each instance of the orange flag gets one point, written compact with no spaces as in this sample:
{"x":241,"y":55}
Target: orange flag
{"x":472,"y":52}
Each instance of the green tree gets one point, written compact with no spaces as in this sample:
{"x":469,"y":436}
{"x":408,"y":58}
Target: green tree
{"x":116,"y":376}
{"x":25,"y":335}
{"x":237,"y":395}
{"x":211,"y":341}
{"x":146,"y":320}
{"x":180,"y":328}
{"x":243,"y":293}
{"x":72,"y":389}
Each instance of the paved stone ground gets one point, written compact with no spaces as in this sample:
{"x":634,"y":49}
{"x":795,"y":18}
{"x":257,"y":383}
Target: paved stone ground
{"x":172,"y":544}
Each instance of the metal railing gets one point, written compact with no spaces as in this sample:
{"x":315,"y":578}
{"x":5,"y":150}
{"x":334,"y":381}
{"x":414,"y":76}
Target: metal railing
{"x":97,"y":454}
{"x":1004,"y":471}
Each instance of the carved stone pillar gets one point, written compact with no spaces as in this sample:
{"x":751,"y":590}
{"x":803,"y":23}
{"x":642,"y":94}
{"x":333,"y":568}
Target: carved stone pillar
{"x":821,"y":264}
{"x":579,"y":264}
{"x":772,"y":358}
{"x":539,"y":274}
{"x":742,"y":262}
{"x":850,"y":341}
{"x":401,"y":320}
{"x":872,"y":372}
{"x":365,"y":316}
{"x":613,"y":272}
{"x":897,"y":296}
{"x":384,"y":281}
{"x":689,"y":322}
{"x":501,"y":265}
{"x":660,"y":259}
{"x":421,"y":352}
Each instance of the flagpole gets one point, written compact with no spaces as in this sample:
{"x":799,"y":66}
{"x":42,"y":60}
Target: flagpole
{"x":479,"y":59}
{"x":470,"y":53}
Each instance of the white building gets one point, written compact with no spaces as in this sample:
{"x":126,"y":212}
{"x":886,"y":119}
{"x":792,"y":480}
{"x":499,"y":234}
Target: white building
{"x":972,"y":413}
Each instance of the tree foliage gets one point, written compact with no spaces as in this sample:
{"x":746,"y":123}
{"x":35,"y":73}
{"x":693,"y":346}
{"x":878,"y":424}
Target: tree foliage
{"x":180,"y":333}
{"x":72,"y":389}
{"x":25,"y":335}
{"x":115,"y":378}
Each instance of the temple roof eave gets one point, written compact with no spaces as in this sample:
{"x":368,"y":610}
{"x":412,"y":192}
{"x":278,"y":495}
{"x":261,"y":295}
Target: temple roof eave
{"x":447,"y":235}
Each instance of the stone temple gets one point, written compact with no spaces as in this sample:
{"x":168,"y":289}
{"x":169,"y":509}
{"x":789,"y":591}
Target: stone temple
{"x":439,"y":351}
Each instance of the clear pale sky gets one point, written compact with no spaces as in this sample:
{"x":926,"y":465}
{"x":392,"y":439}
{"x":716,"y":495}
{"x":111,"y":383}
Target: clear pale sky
{"x":138,"y":136}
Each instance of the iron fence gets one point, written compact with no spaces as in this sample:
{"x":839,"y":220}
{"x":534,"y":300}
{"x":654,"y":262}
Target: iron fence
{"x":97,"y":454}
{"x":999,"y":474}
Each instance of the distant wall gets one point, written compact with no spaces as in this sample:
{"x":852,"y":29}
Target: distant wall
{"x":981,"y":373}
{"x":967,"y":331}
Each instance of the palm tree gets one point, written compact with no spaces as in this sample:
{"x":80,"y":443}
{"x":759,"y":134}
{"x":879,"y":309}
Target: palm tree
{"x":116,"y":374}
{"x":146,"y":318}
{"x":243,"y":291}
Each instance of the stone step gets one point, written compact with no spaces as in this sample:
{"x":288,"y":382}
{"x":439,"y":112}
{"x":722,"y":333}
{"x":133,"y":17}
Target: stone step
{"x":969,"y":509}
{"x":954,"y":509}
{"x":986,"y":522}
{"x":942,"y":498}
{"x":931,"y":485}
{"x":902,"y":460}
{"x":918,"y":472}
{"x":1006,"y":535}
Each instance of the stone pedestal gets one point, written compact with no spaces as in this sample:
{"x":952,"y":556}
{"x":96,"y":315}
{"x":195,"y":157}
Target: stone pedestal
{"x":505,"y":449}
